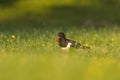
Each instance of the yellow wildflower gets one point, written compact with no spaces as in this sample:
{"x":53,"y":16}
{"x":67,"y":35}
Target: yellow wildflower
{"x":85,"y":44}
{"x":13,"y":37}
{"x":113,"y":39}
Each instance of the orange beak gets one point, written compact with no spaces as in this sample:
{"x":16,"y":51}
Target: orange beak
{"x":57,"y":39}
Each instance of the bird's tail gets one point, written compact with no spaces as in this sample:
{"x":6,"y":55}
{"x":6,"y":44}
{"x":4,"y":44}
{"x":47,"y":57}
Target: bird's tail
{"x":86,"y":47}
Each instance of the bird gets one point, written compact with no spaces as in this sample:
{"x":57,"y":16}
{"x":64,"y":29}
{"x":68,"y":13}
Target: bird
{"x":65,"y":43}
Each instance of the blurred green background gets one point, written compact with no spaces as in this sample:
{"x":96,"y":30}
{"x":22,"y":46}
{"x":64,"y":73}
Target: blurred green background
{"x":49,"y":13}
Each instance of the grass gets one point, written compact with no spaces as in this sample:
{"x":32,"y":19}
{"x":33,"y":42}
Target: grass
{"x":31,"y":54}
{"x":27,"y":33}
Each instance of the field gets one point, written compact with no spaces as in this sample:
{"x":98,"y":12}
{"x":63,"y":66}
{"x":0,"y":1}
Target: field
{"x":28,"y":29}
{"x":31,"y":54}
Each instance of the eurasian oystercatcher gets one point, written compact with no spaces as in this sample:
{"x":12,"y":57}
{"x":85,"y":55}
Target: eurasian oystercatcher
{"x":65,"y":43}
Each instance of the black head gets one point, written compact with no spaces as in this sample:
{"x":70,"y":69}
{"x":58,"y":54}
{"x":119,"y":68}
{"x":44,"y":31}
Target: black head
{"x":62,"y":39}
{"x":61,"y":35}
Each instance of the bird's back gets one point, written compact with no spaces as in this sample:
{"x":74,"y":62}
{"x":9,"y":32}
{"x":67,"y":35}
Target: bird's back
{"x":74,"y":43}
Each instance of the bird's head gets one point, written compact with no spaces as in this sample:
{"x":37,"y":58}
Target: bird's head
{"x":61,"y":35}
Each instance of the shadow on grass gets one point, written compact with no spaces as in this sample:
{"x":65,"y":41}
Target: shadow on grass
{"x":65,"y":16}
{"x":7,"y":3}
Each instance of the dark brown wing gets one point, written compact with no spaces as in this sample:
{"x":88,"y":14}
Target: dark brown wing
{"x":63,"y":43}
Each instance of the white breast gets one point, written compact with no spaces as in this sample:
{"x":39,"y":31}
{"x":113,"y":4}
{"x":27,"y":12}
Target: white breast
{"x":68,"y":46}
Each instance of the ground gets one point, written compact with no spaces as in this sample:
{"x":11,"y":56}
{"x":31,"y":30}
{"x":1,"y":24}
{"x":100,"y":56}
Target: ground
{"x":34,"y":55}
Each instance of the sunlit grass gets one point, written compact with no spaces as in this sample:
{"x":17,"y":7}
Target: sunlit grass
{"x":28,"y":56}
